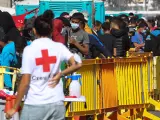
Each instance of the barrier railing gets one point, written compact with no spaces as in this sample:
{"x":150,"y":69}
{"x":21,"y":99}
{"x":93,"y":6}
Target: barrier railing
{"x":115,"y":89}
{"x":121,"y":84}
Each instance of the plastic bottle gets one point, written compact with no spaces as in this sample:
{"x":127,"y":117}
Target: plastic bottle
{"x":75,"y":87}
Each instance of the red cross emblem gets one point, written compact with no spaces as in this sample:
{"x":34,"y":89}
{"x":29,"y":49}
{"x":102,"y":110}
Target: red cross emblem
{"x":46,"y":60}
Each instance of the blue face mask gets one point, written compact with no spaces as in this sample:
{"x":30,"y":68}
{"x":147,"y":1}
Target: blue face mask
{"x":74,"y":26}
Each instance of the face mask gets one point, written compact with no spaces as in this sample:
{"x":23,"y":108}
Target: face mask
{"x":74,"y":26}
{"x":144,"y":31}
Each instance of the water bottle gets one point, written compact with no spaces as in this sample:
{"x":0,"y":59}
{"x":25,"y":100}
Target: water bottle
{"x":75,"y":86}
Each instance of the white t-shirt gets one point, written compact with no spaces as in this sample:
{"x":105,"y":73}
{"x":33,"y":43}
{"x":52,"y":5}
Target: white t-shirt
{"x":42,"y":59}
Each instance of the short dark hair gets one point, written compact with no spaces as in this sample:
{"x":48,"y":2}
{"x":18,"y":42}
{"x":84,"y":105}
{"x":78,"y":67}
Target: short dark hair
{"x":120,"y":23}
{"x":65,"y":21}
{"x":97,"y":23}
{"x":142,"y":25}
{"x":108,"y":18}
{"x":48,"y":14}
{"x":106,"y":26}
{"x":152,"y":21}
{"x":140,"y":20}
{"x":63,"y":14}
{"x":131,"y":14}
{"x":133,"y":20}
{"x":43,"y":26}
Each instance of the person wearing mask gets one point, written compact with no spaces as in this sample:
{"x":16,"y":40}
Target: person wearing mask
{"x":108,"y":39}
{"x":138,"y":39}
{"x":57,"y":33}
{"x":118,"y":30}
{"x":97,"y":27}
{"x":96,"y":47}
{"x":78,"y":38}
{"x":41,"y":76}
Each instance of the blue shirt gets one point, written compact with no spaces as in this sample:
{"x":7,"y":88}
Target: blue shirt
{"x":137,"y":38}
{"x":7,"y":56}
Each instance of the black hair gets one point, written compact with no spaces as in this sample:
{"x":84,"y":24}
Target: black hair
{"x":97,"y":23}
{"x":78,"y":16}
{"x":140,"y":20}
{"x":106,"y":26}
{"x":108,"y":18}
{"x":63,"y":14}
{"x":152,"y":21}
{"x":20,"y":44}
{"x":65,"y":21}
{"x":124,"y":18}
{"x":43,"y":26}
{"x":2,"y":35}
{"x":131,"y":14}
{"x":142,"y":25}
{"x":121,"y":24}
{"x":133,"y":20}
{"x":48,"y":14}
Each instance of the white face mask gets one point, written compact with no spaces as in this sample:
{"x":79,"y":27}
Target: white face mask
{"x":74,"y":26}
{"x":63,"y":30}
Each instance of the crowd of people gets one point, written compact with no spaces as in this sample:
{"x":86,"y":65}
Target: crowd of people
{"x":113,"y":38}
{"x":39,"y":47}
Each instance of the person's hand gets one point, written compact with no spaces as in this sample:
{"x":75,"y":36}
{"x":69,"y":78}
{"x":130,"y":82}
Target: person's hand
{"x":55,"y":80}
{"x":137,"y":49}
{"x":10,"y":113}
{"x":72,"y":41}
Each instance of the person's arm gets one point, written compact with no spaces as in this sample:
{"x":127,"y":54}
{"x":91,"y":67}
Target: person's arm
{"x":138,"y":45}
{"x":73,"y":66}
{"x":22,"y":90}
{"x":135,"y":42}
{"x":115,"y":52}
{"x":84,"y":48}
{"x":27,"y":68}
{"x":114,"y":47}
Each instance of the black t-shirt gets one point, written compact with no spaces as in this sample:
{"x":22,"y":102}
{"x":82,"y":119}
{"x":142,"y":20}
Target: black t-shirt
{"x":109,"y":41}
